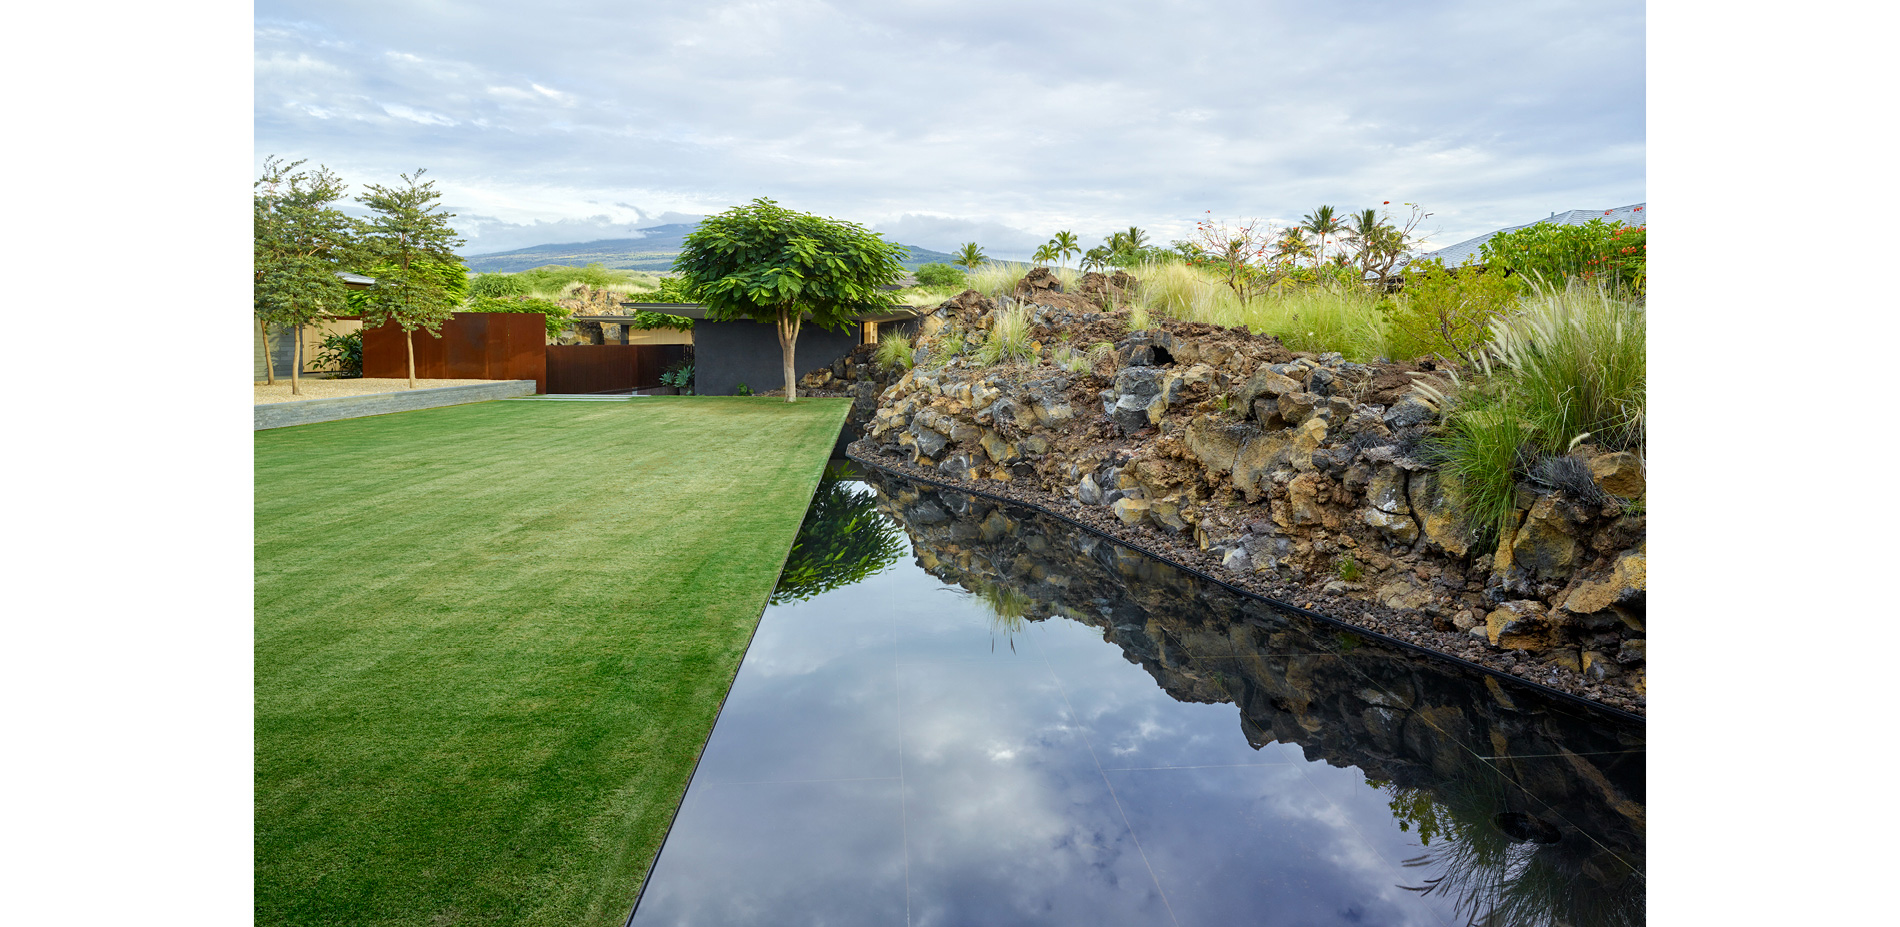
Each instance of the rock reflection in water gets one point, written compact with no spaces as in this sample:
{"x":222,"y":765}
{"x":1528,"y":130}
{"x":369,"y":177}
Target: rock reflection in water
{"x":1530,"y":809}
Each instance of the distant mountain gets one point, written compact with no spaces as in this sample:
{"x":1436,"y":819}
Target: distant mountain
{"x":653,"y":251}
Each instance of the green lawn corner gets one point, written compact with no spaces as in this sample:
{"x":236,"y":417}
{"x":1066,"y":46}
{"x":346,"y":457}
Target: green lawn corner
{"x":491,"y":640}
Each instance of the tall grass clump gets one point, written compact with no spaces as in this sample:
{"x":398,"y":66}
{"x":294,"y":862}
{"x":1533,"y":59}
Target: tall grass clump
{"x":1008,"y":339}
{"x":894,"y":352}
{"x":1482,"y":447}
{"x":1304,"y":318}
{"x":997,"y":278}
{"x":1575,"y":360}
{"x":1571,"y":367}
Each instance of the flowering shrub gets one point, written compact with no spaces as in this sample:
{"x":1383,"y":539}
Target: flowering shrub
{"x":1545,"y":255}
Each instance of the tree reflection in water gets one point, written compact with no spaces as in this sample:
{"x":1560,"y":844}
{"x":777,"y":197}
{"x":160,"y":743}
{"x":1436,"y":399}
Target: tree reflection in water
{"x":842,"y":540}
{"x":1511,"y":868}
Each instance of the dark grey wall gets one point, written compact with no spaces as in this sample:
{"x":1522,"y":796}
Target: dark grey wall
{"x":726,"y":354}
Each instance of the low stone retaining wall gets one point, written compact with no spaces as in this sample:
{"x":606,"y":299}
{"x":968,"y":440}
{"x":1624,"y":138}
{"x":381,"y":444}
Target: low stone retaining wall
{"x":283,"y":414}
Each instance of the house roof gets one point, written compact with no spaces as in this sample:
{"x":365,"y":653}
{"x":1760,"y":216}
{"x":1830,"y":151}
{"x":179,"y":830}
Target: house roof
{"x":356,"y":281}
{"x":697,"y":311}
{"x":1454,"y":255}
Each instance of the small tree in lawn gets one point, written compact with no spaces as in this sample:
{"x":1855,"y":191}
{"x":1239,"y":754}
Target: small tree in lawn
{"x":763,"y":262}
{"x":299,"y":243}
{"x":411,"y":241}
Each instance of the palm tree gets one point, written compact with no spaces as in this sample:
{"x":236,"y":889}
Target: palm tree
{"x":970,"y":256}
{"x":1066,"y":244}
{"x":1323,"y":222}
{"x":1368,"y":233}
{"x":1046,"y":253}
{"x":1293,"y":244}
{"x":1136,"y":237}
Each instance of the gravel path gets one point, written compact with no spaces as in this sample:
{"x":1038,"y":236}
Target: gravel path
{"x":330,"y":389}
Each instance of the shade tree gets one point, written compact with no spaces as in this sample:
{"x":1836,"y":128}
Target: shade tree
{"x":764,"y":262}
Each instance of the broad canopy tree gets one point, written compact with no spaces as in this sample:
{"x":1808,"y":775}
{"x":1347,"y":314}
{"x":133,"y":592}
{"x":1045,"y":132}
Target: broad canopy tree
{"x":763,"y":262}
{"x":417,"y":270}
{"x":300,"y":242}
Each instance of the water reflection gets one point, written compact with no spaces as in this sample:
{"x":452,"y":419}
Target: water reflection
{"x":1022,"y":723}
{"x":1527,"y":811}
{"x":841,"y":541}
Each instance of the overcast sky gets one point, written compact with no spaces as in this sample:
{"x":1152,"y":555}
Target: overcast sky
{"x":939,"y":123}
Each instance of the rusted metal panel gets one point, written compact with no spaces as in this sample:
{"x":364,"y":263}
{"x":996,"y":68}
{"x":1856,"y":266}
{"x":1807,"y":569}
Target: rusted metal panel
{"x":590,"y":368}
{"x":472,"y":346}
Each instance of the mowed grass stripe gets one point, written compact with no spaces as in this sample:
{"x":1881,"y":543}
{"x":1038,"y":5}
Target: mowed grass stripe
{"x":491,"y":639}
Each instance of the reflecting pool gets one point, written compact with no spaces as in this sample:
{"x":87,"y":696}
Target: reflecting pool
{"x":961,"y":712}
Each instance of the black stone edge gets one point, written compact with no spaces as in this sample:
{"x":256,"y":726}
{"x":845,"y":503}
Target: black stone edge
{"x":1276,"y":603}
{"x":647,"y":877}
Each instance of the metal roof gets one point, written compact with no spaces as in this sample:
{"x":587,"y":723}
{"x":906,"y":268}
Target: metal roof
{"x":1454,"y":255}
{"x":697,"y":311}
{"x":356,"y":281}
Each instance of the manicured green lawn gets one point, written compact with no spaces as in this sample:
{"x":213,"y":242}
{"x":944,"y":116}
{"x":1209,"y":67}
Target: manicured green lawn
{"x":491,"y":640}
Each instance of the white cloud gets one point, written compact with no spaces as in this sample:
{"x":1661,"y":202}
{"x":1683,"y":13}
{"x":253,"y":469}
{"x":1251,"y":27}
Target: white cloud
{"x":941,"y":124}
{"x":428,"y":119}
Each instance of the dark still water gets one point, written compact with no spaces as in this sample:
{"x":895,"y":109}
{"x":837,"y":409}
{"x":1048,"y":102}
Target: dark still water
{"x":958,"y":712}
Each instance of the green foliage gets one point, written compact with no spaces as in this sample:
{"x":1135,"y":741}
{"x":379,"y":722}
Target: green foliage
{"x":672,"y":290}
{"x":941,"y":275}
{"x":761,"y":261}
{"x":1325,"y":224}
{"x":644,"y":320}
{"x":1071,"y":359}
{"x":495,"y":286}
{"x":1008,"y":338}
{"x":1575,"y":364}
{"x":1065,"y":246}
{"x":680,"y":377}
{"x":1447,"y":312}
{"x":1341,"y":317}
{"x":969,"y":256}
{"x":894,"y":352}
{"x":557,"y":314}
{"x":1546,"y":255}
{"x":764,"y":262}
{"x":951,"y":343}
{"x":997,"y":278}
{"x":552,"y":278}
{"x":1481,"y":449}
{"x":742,"y":390}
{"x":1349,"y":569}
{"x":342,"y":353}
{"x":414,"y":246}
{"x":300,"y":241}
{"x":1571,"y":366}
{"x":843,"y":540}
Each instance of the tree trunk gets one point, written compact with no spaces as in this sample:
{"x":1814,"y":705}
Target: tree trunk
{"x":270,"y":366}
{"x":409,"y":342}
{"x":787,"y":340}
{"x":296,"y":359}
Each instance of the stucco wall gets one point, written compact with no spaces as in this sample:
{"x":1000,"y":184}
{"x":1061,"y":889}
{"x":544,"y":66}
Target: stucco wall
{"x":727,"y":354}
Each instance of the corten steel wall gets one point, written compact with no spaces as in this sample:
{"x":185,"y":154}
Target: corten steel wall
{"x":603,"y":368}
{"x":726,"y":354}
{"x":473,"y":346}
